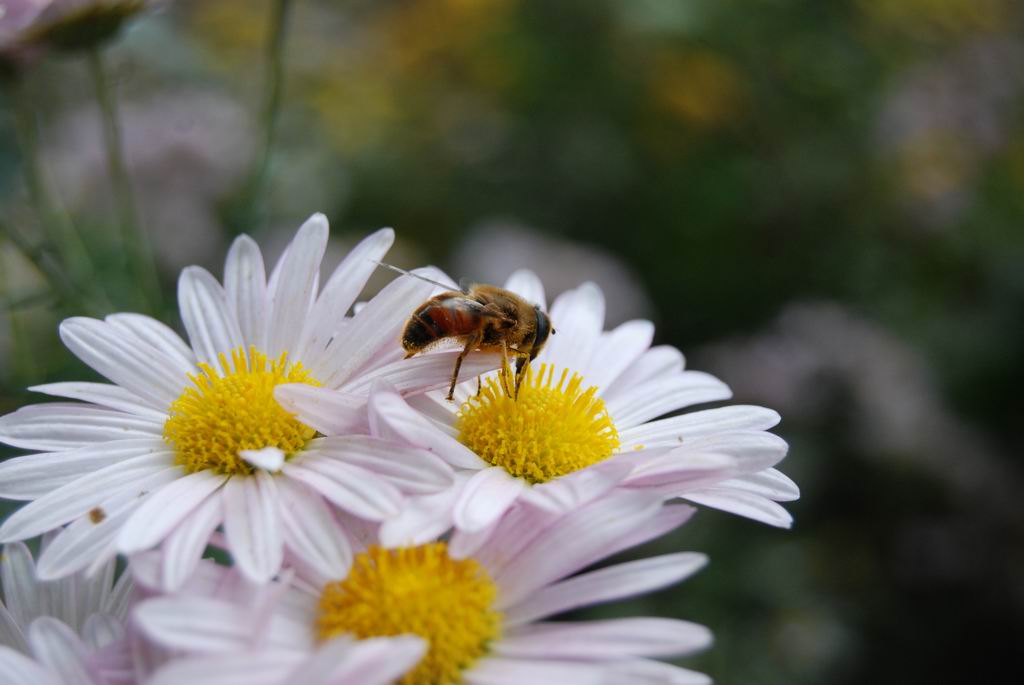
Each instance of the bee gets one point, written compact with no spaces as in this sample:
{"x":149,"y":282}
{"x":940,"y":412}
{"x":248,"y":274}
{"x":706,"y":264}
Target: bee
{"x":482,"y":318}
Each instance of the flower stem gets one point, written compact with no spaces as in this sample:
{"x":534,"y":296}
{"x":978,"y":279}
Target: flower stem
{"x":247,"y":209}
{"x":137,"y":253}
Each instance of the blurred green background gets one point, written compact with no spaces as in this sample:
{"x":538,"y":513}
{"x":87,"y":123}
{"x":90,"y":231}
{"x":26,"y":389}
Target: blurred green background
{"x":820,"y":202}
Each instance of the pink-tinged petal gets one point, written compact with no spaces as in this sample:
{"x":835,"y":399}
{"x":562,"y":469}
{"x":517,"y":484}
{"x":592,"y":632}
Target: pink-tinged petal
{"x":252,"y":525}
{"x":34,"y":475}
{"x":487,"y":495}
{"x":295,"y":286}
{"x":605,"y":585}
{"x":741,"y":503}
{"x":115,"y":601}
{"x":604,"y":640}
{"x":527,"y":285}
{"x":102,"y":394}
{"x":199,"y":625}
{"x":56,"y":646}
{"x":79,"y":496}
{"x":575,"y":489}
{"x":660,"y":361}
{"x":391,"y":417}
{"x":10,"y":633}
{"x":769,"y":483}
{"x":245,"y":286}
{"x":88,"y":544}
{"x":165,"y":509}
{"x":376,"y":661}
{"x":573,"y":542}
{"x":425,"y":372}
{"x":18,"y":571}
{"x":269,"y":458}
{"x":678,"y":430}
{"x":377,"y":325}
{"x":66,"y":426}
{"x":578,"y":318}
{"x":410,"y":469}
{"x":677,"y":472}
{"x":244,"y":668}
{"x":328,"y":411}
{"x":646,"y":672}
{"x":341,"y":291}
{"x":423,"y":518}
{"x":663,"y":395}
{"x":18,"y":669}
{"x":185,"y":545}
{"x":158,"y":336}
{"x":311,"y":532}
{"x":616,"y":350}
{"x":352,"y":488}
{"x":753,"y":450}
{"x":100,"y":630}
{"x":141,"y":369}
{"x":670,"y":517}
{"x":210,"y":321}
{"x":496,"y":670}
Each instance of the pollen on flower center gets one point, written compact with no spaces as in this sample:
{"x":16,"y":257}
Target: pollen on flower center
{"x":223,"y":413}
{"x":548,"y":431}
{"x":419,"y":590}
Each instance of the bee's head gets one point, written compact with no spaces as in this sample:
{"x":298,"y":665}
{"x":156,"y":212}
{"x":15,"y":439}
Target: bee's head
{"x":544,"y":329}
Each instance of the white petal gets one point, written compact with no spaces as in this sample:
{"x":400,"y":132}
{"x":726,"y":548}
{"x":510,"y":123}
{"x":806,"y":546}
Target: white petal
{"x":21,"y":595}
{"x":753,"y":450}
{"x":352,"y":488}
{"x":487,"y":495}
{"x":211,"y":324}
{"x":494,"y":670}
{"x":195,"y":624}
{"x":670,"y":517}
{"x":678,"y":429}
{"x":527,"y":285}
{"x":245,"y":286}
{"x":570,"y":491}
{"x":103,"y":394}
{"x":376,"y":326}
{"x":101,"y":630}
{"x":769,"y":483}
{"x":252,"y":525}
{"x":577,"y":317}
{"x":10,"y":634}
{"x":410,"y":469}
{"x":676,"y":472}
{"x":604,"y":585}
{"x":422,"y":519}
{"x":81,"y":495}
{"x":185,"y":545}
{"x":646,"y":672}
{"x":142,"y":370}
{"x":744,"y":504}
{"x":56,"y":645}
{"x":328,"y":411}
{"x":609,"y":639}
{"x":341,"y":291}
{"x":311,"y":531}
{"x":245,"y":668}
{"x":663,"y":395}
{"x":572,"y":542}
{"x":391,"y":417}
{"x":165,"y":509}
{"x":425,"y":372}
{"x":18,"y":669}
{"x":616,"y":350}
{"x":34,"y":475}
{"x":86,"y":543}
{"x":376,"y":661}
{"x":658,"y":362}
{"x":158,"y":336}
{"x":269,"y":458}
{"x":66,"y":426}
{"x":295,"y":286}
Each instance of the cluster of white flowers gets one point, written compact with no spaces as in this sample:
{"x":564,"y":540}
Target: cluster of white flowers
{"x":361,"y":529}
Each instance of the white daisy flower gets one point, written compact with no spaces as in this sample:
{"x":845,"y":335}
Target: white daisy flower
{"x":64,"y":632}
{"x":480,"y":614}
{"x":189,"y":437}
{"x":585,"y":420}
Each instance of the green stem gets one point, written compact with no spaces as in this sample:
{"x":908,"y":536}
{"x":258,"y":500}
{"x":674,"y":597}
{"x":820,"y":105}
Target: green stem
{"x":58,"y":279}
{"x":248,"y":208}
{"x":137,"y":253}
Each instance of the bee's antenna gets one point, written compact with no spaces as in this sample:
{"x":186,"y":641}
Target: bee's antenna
{"x":414,"y":275}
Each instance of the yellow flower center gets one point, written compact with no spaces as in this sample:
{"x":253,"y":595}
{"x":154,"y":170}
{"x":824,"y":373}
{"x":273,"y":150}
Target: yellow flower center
{"x":418,"y":590}
{"x":222,"y":414}
{"x":546,"y":432}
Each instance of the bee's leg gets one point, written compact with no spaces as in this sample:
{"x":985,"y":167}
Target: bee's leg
{"x":479,"y":386}
{"x":521,"y":364}
{"x":470,"y":344}
{"x":505,"y":368}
